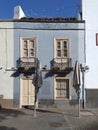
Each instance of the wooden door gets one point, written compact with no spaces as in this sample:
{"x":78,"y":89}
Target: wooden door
{"x":27,"y":92}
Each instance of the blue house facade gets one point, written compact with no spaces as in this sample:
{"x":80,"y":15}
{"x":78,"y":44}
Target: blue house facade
{"x":54,"y":45}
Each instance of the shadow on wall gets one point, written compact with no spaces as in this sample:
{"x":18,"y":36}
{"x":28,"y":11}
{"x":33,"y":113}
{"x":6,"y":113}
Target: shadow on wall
{"x":51,"y":74}
{"x":56,"y":69}
{"x":20,"y":70}
{"x":15,"y":74}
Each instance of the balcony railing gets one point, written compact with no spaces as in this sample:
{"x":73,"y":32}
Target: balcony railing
{"x":25,"y":64}
{"x":61,"y":65}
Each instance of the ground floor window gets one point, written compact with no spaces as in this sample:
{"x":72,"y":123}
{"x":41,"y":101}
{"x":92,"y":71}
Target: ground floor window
{"x":62,"y":88}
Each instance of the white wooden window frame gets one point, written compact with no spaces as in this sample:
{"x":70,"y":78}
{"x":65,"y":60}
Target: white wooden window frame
{"x":28,"y":39}
{"x":55,"y":47}
{"x":64,"y":78}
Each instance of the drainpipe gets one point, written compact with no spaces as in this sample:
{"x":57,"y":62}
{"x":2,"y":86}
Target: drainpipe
{"x":83,"y":85}
{"x":83,"y":69}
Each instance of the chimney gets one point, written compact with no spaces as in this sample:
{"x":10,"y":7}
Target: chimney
{"x":80,"y":16}
{"x":18,"y":13}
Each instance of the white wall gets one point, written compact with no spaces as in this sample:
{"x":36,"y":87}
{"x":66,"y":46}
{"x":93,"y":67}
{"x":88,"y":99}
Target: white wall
{"x":90,"y":15}
{"x":6,"y":59}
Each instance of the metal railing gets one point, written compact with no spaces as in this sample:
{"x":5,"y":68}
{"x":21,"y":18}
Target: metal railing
{"x":61,"y":63}
{"x":27,"y":63}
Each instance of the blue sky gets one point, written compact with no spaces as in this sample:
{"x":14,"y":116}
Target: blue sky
{"x":40,"y":8}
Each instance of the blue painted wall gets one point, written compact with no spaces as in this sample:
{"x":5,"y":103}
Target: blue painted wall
{"x":45,"y":34}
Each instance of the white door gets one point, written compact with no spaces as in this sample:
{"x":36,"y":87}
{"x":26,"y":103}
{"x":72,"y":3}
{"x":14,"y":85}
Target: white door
{"x":27,"y":92}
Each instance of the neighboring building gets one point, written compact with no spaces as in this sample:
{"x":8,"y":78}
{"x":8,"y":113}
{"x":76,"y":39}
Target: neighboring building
{"x":90,"y":15}
{"x":55,"y":43}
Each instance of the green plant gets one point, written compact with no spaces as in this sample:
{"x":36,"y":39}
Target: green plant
{"x":31,"y":68}
{"x":21,"y":68}
{"x":69,"y":68}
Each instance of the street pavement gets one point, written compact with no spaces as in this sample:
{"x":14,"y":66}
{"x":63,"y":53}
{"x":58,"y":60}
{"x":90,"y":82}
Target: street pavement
{"x":48,"y":119}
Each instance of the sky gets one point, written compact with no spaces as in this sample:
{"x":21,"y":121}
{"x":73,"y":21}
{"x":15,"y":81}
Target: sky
{"x":40,"y":8}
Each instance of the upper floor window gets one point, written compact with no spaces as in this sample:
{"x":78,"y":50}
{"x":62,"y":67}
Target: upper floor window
{"x":61,"y":48}
{"x":28,"y":47}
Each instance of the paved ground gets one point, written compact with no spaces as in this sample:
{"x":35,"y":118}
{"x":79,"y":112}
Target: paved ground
{"x":87,"y":121}
{"x":48,"y":119}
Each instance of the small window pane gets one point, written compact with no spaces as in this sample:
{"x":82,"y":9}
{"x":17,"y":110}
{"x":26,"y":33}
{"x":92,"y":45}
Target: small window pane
{"x":59,"y":53}
{"x":58,"y":93}
{"x":25,"y":52}
{"x":25,"y":44}
{"x":58,"y":85}
{"x":65,"y":53}
{"x":58,"y":45}
{"x":31,"y":52}
{"x":63,"y":94}
{"x":65,"y":44}
{"x":63,"y":85}
{"x":32,"y":44}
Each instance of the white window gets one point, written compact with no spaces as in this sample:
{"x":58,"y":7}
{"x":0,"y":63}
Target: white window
{"x":62,"y":88}
{"x":61,"y":48}
{"x":28,"y":48}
